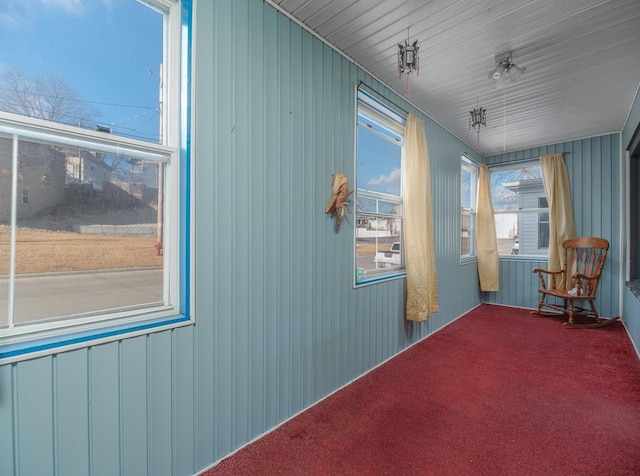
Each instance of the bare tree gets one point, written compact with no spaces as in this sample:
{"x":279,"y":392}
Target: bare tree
{"x":50,"y":97}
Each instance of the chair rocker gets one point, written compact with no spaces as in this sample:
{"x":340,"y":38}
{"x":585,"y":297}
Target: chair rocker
{"x":587,"y":257}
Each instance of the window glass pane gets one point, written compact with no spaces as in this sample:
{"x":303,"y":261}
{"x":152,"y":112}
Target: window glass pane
{"x":543,"y":224}
{"x":466,"y":234}
{"x":374,"y":126}
{"x":88,"y":64}
{"x":466,"y":188}
{"x":521,"y":233}
{"x":378,"y":233}
{"x":468,"y":193}
{"x":375,"y":250}
{"x":520,"y":190}
{"x":5,"y":233}
{"x":6,"y":157}
{"x":379,"y":163}
{"x":378,"y":205}
{"x":85,"y":213}
{"x":507,"y":233}
{"x":87,"y":241}
{"x":508,"y":185}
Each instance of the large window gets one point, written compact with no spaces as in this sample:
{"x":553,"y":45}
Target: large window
{"x":521,"y":210}
{"x":468,"y":198}
{"x":93,"y":206}
{"x":378,"y":211}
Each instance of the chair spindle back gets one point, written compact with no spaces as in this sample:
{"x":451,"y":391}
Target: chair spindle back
{"x":587,"y":257}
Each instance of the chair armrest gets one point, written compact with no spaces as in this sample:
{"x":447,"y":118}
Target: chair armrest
{"x":546,"y":271}
{"x":552,"y":277}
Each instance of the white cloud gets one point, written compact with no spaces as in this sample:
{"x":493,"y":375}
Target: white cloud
{"x":10,"y":17}
{"x":392,"y":178}
{"x":73,"y":7}
{"x":8,"y":21}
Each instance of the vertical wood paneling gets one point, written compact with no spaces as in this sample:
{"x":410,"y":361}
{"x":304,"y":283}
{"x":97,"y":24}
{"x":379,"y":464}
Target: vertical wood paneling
{"x":297,"y":265}
{"x":204,"y":230}
{"x":283,"y":197}
{"x":7,"y":428}
{"x":134,"y":408}
{"x":278,"y":323}
{"x":72,"y":412}
{"x":220,"y":283}
{"x":593,"y":166}
{"x":306,"y":220}
{"x":34,"y":406}
{"x":104,"y":416}
{"x":259,"y":217}
{"x":273,"y":209}
{"x":159,"y":403}
{"x":184,"y":424}
{"x":241,"y":216}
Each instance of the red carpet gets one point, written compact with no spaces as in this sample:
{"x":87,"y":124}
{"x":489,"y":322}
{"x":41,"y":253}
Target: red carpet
{"x":498,"y":392}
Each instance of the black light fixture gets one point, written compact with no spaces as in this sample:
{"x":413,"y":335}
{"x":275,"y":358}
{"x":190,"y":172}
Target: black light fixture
{"x":408,"y":60}
{"x":477,"y":120}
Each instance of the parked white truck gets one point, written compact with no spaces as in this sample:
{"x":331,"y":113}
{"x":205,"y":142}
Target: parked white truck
{"x":388,"y":258}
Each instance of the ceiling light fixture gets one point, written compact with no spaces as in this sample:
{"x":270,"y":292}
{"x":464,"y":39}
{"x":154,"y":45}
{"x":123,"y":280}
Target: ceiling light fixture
{"x":505,"y":71}
{"x":408,"y":60}
{"x":477,"y":120}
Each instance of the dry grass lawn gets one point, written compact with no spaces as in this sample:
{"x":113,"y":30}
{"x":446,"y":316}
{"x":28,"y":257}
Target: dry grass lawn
{"x":42,"y":251}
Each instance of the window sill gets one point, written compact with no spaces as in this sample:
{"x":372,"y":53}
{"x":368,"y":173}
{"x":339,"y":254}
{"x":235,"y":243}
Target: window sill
{"x":468,"y":260}
{"x":634,"y":287}
{"x":522,"y":258}
{"x":26,"y":349}
{"x":380,"y":279}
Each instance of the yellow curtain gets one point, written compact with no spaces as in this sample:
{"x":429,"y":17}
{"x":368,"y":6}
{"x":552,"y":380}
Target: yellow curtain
{"x":486,"y":239}
{"x":419,"y":247}
{"x":561,"y":224}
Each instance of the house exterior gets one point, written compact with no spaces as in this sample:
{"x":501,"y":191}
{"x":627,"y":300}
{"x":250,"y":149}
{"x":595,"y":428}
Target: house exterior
{"x":532,"y":228}
{"x":84,"y":167}
{"x":133,"y":181}
{"x":279,"y":325}
{"x":41,"y":179}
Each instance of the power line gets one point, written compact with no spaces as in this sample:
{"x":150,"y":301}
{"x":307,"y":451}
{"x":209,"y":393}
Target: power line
{"x":76,"y":99}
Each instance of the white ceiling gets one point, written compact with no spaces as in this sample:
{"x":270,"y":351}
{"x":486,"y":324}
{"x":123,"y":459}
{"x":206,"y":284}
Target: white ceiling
{"x":582,"y":59}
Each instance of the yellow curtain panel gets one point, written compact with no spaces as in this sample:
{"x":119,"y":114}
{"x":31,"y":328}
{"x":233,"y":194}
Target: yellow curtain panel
{"x":419,"y":246}
{"x":556,"y":188}
{"x":486,"y":239}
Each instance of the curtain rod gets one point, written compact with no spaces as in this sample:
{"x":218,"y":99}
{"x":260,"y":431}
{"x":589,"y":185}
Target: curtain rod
{"x":520,"y":161}
{"x":361,"y":83}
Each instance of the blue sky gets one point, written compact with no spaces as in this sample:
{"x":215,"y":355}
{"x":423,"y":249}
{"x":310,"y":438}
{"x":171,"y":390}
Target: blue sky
{"x":378,"y":159}
{"x":109,"y":50}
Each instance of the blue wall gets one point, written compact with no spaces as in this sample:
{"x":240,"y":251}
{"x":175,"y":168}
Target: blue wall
{"x":594,"y":169}
{"x":278,"y":324}
{"x":593,"y":166}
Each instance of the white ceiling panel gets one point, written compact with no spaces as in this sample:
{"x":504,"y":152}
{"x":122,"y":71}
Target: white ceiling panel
{"x":582,"y":59}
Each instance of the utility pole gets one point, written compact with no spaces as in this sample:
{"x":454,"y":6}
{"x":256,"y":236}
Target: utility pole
{"x":160,"y":216}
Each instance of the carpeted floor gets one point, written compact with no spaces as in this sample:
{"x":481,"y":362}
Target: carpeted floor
{"x":498,"y":392}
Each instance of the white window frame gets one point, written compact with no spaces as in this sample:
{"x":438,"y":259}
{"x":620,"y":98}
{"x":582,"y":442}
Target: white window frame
{"x":21,"y":342}
{"x":533,"y":211}
{"x":467,"y":164}
{"x":384,"y":116}
{"x":540,"y":222}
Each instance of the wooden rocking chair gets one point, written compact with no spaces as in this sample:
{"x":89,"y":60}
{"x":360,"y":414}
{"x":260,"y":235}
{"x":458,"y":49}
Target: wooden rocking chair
{"x":587,"y":256}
